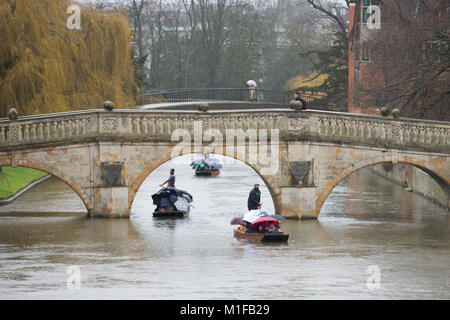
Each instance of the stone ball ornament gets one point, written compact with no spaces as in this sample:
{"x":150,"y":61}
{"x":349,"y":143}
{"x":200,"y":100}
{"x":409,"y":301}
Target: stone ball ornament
{"x":385,"y":111}
{"x":13,"y":114}
{"x":108,"y":105}
{"x":203,"y":107}
{"x":297,"y":105}
{"x":396,"y":113}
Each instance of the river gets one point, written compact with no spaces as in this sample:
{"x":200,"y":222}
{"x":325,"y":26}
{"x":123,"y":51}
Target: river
{"x":368,"y":228}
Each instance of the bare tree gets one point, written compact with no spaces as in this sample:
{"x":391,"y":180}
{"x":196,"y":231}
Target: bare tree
{"x":215,"y":20}
{"x":332,"y":10}
{"x":410,"y":60}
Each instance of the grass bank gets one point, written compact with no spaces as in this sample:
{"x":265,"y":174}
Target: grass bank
{"x":12,"y":180}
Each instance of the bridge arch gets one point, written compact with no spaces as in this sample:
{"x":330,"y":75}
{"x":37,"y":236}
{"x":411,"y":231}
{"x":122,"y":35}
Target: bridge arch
{"x":442,"y":178}
{"x":37,"y":166}
{"x":157,"y":163}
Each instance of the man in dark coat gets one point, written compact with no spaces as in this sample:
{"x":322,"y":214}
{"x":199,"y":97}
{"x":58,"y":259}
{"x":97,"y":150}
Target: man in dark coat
{"x":297,"y":97}
{"x":254,"y":199}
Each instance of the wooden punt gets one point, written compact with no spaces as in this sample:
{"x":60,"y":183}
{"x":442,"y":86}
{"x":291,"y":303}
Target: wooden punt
{"x":262,"y":237}
{"x":207,"y":173}
{"x":171,"y":214}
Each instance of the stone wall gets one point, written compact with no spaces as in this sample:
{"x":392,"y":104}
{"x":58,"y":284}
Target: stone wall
{"x":415,"y":180}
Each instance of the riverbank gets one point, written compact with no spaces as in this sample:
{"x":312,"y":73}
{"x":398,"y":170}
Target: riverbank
{"x":14,"y":180}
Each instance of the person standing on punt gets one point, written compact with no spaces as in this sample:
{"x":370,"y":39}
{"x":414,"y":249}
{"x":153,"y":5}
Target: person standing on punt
{"x":254,"y":198}
{"x":171,"y":180}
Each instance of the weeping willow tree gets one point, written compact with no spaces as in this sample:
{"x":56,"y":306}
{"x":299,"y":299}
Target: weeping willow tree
{"x":45,"y":67}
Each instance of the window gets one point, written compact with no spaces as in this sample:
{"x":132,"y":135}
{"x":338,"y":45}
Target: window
{"x":365,"y":53}
{"x":365,"y":8}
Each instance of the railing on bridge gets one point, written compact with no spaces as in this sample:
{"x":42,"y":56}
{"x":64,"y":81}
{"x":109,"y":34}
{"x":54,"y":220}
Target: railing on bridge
{"x":75,"y":127}
{"x":177,"y":96}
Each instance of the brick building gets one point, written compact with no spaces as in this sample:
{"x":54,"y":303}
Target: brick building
{"x":365,"y":25}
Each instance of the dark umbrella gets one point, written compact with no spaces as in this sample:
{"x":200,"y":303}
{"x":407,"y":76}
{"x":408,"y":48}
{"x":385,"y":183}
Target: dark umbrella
{"x":278,"y":217}
{"x":237,"y":220}
{"x":198,"y":161}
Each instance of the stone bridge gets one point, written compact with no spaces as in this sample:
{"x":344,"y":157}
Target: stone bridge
{"x":104,"y":156}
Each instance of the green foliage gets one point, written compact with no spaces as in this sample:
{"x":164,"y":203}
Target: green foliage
{"x":45,"y":67}
{"x":12,"y":180}
{"x":333,"y":63}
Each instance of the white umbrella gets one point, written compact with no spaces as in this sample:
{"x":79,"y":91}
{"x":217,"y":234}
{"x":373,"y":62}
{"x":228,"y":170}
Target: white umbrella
{"x":182,"y":204}
{"x":251,"y":83}
{"x":254,"y":215}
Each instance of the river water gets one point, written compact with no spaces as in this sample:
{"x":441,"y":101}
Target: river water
{"x":368,"y":230}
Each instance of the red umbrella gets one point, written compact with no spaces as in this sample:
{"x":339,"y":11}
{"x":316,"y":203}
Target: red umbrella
{"x":265,"y":222}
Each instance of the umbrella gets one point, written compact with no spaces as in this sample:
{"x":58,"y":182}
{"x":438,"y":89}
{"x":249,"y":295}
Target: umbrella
{"x":251,"y":83}
{"x":253,"y":215}
{"x":236,"y":221}
{"x":264,"y":221}
{"x":193,"y":163}
{"x":213,"y":163}
{"x":277,"y":216}
{"x":182,"y":204}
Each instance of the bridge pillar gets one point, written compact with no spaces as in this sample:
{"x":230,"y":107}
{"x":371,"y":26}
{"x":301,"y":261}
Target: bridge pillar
{"x":298,"y":202}
{"x":110,"y":187}
{"x":298,"y":188}
{"x":110,"y":202}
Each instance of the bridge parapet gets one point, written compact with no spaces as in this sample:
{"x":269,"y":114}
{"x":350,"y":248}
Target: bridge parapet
{"x":47,"y":128}
{"x":292,"y":125}
{"x":384,"y":132}
{"x":164,"y":124}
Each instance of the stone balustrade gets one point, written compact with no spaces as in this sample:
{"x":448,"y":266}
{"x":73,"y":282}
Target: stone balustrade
{"x":48,"y":128}
{"x":323,"y":126}
{"x":346,"y":127}
{"x":164,"y":125}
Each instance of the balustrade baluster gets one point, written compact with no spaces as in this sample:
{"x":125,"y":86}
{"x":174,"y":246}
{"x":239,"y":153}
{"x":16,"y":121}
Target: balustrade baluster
{"x":333,"y":127}
{"x":382,"y":131}
{"x":191,"y":125}
{"x":144,"y":126}
{"x":40,"y":131}
{"x":421,"y":135}
{"x":62,"y":129}
{"x":130,"y":124}
{"x":2,"y":135}
{"x":373,"y":130}
{"x":69,"y":130}
{"x":83,"y":127}
{"x":151,"y":125}
{"x":33,"y":132}
{"x":26,"y":132}
{"x":159,"y":126}
{"x":47,"y":130}
{"x":76,"y":127}
{"x":54,"y":132}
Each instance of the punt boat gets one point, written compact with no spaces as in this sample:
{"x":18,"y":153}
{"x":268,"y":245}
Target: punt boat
{"x":262,"y":237}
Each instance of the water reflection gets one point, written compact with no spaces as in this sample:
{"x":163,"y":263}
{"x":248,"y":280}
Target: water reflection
{"x":365,"y":221}
{"x":52,"y":195}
